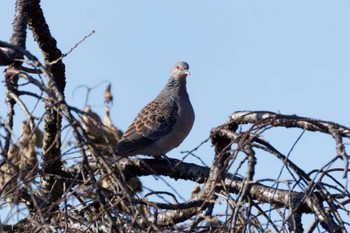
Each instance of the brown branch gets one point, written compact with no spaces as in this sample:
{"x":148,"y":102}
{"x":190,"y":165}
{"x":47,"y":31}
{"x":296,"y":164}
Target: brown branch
{"x":340,"y":149}
{"x":53,"y":121}
{"x":182,"y":211}
{"x":8,"y":57}
{"x":243,"y":195}
{"x":294,"y":218}
{"x":279,"y":120}
{"x":262,"y":120}
{"x":71,"y":49}
{"x":175,"y":168}
{"x":262,"y":193}
{"x":19,"y":35}
{"x":11,"y":82}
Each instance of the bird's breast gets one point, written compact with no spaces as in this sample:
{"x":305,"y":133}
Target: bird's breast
{"x":181,"y":129}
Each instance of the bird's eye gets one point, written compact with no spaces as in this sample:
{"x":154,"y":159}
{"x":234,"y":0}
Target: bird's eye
{"x":177,"y":67}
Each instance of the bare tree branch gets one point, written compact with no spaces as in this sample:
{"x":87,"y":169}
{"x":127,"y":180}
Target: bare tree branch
{"x":83,"y":186}
{"x":53,"y":120}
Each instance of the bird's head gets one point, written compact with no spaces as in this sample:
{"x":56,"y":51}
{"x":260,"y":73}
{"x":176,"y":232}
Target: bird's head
{"x":180,"y":70}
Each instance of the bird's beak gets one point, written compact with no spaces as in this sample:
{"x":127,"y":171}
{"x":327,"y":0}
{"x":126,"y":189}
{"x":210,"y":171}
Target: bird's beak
{"x":187,"y":72}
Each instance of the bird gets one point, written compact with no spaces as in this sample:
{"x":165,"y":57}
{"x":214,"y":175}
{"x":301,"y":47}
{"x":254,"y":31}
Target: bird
{"x":164,"y":123}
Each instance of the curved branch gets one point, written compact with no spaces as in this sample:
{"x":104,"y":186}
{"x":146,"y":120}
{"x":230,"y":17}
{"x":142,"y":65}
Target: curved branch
{"x":288,"y":121}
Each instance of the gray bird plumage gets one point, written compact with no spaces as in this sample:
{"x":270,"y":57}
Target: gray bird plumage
{"x":163,"y":123}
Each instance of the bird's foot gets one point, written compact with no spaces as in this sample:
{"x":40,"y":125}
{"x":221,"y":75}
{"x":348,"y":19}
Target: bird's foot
{"x":164,"y":157}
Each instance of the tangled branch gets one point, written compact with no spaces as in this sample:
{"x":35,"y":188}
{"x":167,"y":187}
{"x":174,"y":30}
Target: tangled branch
{"x":82,"y":186}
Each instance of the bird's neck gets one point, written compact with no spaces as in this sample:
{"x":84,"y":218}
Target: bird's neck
{"x":176,"y":85}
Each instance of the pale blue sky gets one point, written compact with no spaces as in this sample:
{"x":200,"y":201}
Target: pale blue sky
{"x":286,"y":56}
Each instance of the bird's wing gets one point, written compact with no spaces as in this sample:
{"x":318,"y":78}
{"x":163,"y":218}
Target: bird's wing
{"x":154,"y":121}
